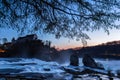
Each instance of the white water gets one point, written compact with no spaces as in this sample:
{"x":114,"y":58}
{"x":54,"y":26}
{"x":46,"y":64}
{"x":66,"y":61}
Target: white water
{"x":39,"y":66}
{"x":35,"y":65}
{"x":29,"y":65}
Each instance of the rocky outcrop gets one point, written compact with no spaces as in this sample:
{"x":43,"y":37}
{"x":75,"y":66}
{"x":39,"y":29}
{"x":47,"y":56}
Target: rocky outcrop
{"x":77,"y":70}
{"x":74,"y":60}
{"x":88,"y":61}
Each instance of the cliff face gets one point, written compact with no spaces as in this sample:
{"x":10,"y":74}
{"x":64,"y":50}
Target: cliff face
{"x":29,"y":47}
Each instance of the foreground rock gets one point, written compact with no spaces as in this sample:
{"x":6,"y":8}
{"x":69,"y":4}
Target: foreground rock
{"x":80,"y":70}
{"x":88,"y":61}
{"x":87,"y":73}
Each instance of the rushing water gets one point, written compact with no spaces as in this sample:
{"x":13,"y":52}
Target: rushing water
{"x":35,"y":63}
{"x":13,"y":65}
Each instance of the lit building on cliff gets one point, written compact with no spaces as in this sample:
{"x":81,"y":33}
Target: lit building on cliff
{"x":2,"y":51}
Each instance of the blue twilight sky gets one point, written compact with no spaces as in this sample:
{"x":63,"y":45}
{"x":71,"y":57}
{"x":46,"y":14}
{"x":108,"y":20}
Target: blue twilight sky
{"x":97,"y":37}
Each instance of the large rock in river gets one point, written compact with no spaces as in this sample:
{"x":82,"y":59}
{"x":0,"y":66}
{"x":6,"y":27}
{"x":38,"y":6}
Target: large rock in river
{"x":88,"y":61}
{"x":74,"y":60}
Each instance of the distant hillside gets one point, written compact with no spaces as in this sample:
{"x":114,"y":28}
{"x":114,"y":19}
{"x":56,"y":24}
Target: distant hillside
{"x":105,"y":50}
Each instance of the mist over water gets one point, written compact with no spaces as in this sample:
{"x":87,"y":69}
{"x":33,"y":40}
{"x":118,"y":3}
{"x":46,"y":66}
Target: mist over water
{"x":64,"y":57}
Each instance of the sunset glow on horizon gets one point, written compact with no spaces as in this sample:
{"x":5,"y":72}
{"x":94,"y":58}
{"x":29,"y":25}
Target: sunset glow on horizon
{"x":97,"y":37}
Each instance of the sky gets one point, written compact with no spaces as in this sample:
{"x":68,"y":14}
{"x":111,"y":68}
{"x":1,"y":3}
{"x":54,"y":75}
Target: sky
{"x":97,"y":37}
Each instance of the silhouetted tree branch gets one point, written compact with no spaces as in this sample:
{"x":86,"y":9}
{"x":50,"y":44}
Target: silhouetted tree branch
{"x":68,"y":18}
